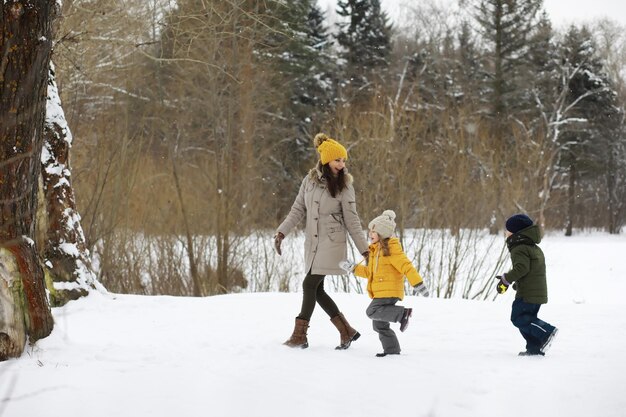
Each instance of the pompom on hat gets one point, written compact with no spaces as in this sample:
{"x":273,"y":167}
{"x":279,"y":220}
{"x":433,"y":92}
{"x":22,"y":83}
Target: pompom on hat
{"x":328,"y":148}
{"x":518,"y":222}
{"x":384,"y":224}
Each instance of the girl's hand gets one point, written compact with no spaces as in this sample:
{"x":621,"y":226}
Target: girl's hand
{"x":347,"y":265}
{"x":421,"y":289}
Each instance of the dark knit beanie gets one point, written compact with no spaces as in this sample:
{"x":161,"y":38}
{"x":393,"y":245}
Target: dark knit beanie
{"x":518,"y":222}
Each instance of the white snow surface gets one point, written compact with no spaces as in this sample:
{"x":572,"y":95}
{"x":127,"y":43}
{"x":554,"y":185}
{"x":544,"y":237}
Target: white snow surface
{"x":124,"y":355}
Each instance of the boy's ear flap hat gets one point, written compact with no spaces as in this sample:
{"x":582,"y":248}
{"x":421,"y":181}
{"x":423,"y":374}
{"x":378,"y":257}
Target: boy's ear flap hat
{"x":328,"y":148}
{"x":384,"y":224}
{"x":518,"y":222}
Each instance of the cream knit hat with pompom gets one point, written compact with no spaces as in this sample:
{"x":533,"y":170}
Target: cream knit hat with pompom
{"x":384,"y":224}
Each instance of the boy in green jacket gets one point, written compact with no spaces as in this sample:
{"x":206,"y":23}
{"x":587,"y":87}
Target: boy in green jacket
{"x":528,"y":277}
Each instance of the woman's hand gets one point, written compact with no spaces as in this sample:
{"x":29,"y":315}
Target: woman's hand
{"x":278,"y":239}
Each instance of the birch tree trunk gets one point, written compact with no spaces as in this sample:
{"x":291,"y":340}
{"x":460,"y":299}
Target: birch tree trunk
{"x":25,"y":48}
{"x":65,"y":251}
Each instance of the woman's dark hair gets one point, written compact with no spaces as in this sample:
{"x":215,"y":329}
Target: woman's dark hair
{"x":335,"y":184}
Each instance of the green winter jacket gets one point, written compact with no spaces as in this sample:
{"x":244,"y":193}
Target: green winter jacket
{"x":529,"y":266}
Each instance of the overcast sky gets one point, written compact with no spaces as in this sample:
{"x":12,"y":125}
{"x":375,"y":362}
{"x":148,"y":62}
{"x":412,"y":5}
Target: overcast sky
{"x":562,"y":12}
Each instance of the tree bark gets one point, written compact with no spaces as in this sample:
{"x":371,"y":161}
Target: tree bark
{"x":613,"y":225}
{"x":25,"y":48}
{"x":571,"y":198}
{"x":12,"y":325}
{"x":193,"y":266}
{"x":65,"y":251}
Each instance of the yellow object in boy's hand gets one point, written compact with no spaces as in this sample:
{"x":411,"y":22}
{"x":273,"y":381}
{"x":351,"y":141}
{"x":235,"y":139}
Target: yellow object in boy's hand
{"x":501,"y":287}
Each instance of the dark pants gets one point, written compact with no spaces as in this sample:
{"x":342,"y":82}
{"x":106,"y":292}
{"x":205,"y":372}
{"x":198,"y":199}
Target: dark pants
{"x":313,"y":291}
{"x":534,"y":330}
{"x":383,"y":311}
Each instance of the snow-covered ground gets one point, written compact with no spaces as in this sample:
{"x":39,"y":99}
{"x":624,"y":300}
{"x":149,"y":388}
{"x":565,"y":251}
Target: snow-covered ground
{"x":120,"y":355}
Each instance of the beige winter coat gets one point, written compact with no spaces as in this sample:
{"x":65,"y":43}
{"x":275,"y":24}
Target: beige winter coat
{"x":328,"y":220}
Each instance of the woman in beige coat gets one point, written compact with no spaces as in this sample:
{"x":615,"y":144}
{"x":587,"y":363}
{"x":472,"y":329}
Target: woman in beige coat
{"x":326,"y":199}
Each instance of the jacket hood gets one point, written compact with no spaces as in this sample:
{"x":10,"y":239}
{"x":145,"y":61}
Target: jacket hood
{"x":533,"y":232}
{"x":394,"y":245}
{"x":316,"y":174}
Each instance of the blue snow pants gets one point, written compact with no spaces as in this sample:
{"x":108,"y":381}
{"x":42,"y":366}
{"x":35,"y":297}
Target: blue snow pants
{"x":534,"y":330}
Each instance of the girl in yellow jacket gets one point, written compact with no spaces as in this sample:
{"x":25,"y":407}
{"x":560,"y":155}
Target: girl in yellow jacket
{"x":385,"y":271}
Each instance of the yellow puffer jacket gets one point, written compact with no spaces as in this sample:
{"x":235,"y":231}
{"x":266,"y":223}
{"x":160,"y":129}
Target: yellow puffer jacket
{"x":385,"y":274}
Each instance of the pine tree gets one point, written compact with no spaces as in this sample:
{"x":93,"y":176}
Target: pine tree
{"x":588,"y":91}
{"x":587,"y":144}
{"x":469,"y":73}
{"x":508,"y":25}
{"x":545,"y":63}
{"x":365,"y":39}
{"x":303,"y":52}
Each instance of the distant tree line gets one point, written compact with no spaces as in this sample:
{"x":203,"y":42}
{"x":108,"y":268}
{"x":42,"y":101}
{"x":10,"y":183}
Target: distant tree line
{"x":194,"y":120}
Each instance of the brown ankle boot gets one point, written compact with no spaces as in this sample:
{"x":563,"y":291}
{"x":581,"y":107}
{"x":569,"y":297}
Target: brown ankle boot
{"x":298,"y":337}
{"x":346,"y":332}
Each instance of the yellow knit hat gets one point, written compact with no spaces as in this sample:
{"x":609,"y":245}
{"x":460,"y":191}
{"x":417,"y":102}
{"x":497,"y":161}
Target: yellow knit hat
{"x":329,"y":149}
